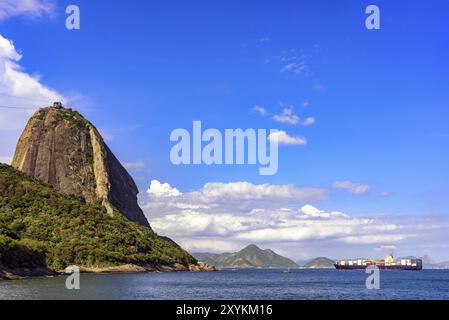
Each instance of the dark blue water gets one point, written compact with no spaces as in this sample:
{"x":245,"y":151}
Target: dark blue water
{"x":239,"y":284}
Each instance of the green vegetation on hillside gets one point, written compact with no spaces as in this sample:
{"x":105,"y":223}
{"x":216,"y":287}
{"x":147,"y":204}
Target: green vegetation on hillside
{"x":72,"y":116}
{"x":40,"y":227}
{"x":249,"y":257}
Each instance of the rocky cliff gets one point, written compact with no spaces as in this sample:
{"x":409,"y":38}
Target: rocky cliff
{"x":43,"y":232}
{"x":61,"y":148}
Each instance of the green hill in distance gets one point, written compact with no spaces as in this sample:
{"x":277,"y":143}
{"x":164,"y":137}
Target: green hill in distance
{"x":43,"y":230}
{"x":320,"y":263}
{"x":249,"y":257}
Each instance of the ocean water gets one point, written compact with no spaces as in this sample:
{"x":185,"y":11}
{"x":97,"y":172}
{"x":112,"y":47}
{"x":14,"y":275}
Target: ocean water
{"x":238,"y":284}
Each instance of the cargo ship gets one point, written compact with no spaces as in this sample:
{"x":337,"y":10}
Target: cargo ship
{"x":388,"y":264}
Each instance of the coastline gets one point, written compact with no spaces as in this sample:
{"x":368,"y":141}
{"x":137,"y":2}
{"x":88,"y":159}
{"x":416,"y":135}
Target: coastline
{"x":23,"y":273}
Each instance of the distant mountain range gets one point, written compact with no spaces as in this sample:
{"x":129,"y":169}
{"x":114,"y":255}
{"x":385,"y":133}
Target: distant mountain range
{"x":250,"y":257}
{"x":254,"y":257}
{"x":430,"y":263}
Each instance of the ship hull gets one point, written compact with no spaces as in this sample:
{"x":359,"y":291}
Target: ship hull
{"x":381,"y":267}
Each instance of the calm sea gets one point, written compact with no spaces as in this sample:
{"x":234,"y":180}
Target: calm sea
{"x":238,"y":284}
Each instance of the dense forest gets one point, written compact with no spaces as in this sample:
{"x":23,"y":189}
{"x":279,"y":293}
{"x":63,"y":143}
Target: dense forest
{"x":40,"y":227}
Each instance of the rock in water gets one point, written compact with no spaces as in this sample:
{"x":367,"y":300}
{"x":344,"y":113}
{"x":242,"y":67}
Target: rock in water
{"x":61,"y":148}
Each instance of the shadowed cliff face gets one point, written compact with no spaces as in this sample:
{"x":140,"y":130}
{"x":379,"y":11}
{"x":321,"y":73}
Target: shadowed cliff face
{"x":61,"y":148}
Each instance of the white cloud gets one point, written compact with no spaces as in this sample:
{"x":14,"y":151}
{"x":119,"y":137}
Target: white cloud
{"x":260,"y":110}
{"x":287,"y":116}
{"x":228,"y":216}
{"x":247,"y":212}
{"x":263,"y":40}
{"x":377,"y":238}
{"x":294,"y":61}
{"x":283,"y":138}
{"x":309,"y":121}
{"x":354,"y":188}
{"x":295,"y":67}
{"x":312,"y":212}
{"x":210,"y":245}
{"x":27,"y":8}
{"x":6,"y":160}
{"x":215,"y":192}
{"x":162,"y":190}
{"x":227,"y":224}
{"x":387,"y":248}
{"x":138,"y":165}
{"x":246,"y":190}
{"x":259,"y":225}
{"x":18,"y":89}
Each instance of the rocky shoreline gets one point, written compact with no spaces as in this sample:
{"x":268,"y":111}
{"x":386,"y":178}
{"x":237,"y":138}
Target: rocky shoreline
{"x":22,"y":273}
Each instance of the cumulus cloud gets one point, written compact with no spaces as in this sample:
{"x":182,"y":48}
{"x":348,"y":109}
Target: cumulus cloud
{"x":312,"y":212}
{"x":283,"y":138}
{"x":273,"y":225}
{"x":246,"y":190}
{"x":287,"y":116}
{"x":222,"y":217}
{"x":282,"y":225}
{"x":354,"y":188}
{"x":228,"y":216}
{"x":17,"y":86}
{"x":27,"y":8}
{"x":239,"y":191}
{"x":162,"y":190}
{"x":18,"y":89}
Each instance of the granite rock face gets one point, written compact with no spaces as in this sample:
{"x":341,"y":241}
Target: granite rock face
{"x":61,"y":148}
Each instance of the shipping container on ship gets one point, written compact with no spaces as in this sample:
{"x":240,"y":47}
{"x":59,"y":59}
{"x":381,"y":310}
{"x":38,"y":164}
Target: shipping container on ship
{"x":388,"y":264}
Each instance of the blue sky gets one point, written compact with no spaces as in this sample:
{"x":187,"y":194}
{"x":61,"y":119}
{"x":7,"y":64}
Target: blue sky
{"x":139,"y":69}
